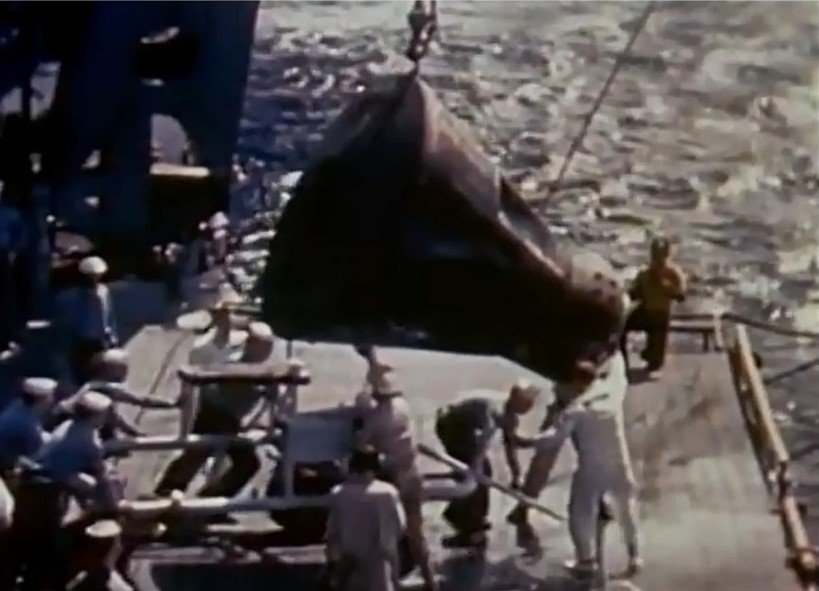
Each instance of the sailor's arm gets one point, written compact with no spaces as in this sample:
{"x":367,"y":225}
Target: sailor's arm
{"x":109,"y":320}
{"x":94,"y":485}
{"x":121,"y":393}
{"x":677,"y":282}
{"x":510,"y":450}
{"x":551,"y":438}
{"x":394,"y":521}
{"x":126,"y":426}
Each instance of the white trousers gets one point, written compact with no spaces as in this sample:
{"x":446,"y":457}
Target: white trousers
{"x":588,"y":489}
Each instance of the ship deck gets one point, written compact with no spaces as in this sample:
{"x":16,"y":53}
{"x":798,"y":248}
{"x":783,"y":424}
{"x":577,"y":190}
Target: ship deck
{"x":705,"y":517}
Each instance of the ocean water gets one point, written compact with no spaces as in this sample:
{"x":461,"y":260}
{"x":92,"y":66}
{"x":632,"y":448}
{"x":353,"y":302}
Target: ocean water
{"x":709,"y":135}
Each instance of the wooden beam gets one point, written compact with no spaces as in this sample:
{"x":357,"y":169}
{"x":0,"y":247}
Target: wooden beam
{"x":172,"y":442}
{"x":245,"y":372}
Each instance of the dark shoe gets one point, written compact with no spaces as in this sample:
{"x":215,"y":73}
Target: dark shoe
{"x":526,"y":538}
{"x":585,"y":569}
{"x":635,"y":565}
{"x":517,"y":516}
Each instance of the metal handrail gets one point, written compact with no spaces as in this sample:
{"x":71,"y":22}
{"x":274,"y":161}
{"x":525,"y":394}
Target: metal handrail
{"x":775,"y":458}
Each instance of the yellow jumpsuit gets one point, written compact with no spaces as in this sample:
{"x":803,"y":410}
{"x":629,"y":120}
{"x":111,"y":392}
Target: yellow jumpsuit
{"x":655,"y":288}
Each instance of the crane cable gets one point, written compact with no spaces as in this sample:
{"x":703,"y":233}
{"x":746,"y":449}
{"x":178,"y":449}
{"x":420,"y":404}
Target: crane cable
{"x":555,"y":185}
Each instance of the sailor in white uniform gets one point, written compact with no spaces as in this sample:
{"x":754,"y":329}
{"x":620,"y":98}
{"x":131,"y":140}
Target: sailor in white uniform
{"x":386,"y":426}
{"x":364,"y":527}
{"x":594,"y":421}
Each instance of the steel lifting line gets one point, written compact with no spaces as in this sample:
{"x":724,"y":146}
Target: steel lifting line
{"x":555,"y":185}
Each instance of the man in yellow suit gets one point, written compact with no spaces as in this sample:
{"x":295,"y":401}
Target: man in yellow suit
{"x":654,"y":289}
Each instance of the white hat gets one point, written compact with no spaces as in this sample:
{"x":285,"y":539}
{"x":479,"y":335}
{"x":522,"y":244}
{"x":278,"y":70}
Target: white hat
{"x":39,"y":387}
{"x":94,"y":266}
{"x":92,"y":403}
{"x":224,"y":297}
{"x":104,"y":529}
{"x":114,"y":356}
{"x":218,"y":220}
{"x":260,"y":331}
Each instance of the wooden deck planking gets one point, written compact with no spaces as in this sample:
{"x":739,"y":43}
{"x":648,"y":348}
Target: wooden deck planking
{"x":701,"y":463}
{"x":704,"y":516}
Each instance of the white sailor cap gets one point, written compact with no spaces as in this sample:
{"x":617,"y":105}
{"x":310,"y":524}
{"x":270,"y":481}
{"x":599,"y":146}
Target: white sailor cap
{"x":260,"y":331}
{"x":39,"y":387}
{"x":92,"y":403}
{"x":218,"y":220}
{"x":113,"y":357}
{"x":93,"y":266}
{"x":103,"y":530}
{"x":224,"y":297}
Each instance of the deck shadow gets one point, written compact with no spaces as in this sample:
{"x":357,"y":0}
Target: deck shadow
{"x":226,"y":576}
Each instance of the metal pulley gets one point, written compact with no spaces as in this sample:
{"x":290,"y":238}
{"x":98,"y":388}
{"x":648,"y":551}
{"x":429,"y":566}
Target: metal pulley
{"x":423,"y":23}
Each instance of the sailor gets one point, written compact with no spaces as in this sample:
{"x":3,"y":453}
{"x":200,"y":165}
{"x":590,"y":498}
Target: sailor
{"x":21,"y":423}
{"x":364,"y":528}
{"x":173,"y":268}
{"x":70,"y":463}
{"x":13,"y":237}
{"x":594,"y":421}
{"x":93,"y":326}
{"x":103,"y":541}
{"x":21,"y":437}
{"x":466,"y":428}
{"x":221,"y":411}
{"x":219,"y":239}
{"x":109,"y":372}
{"x":220,"y":344}
{"x":655,"y":288}
{"x":386,"y":426}
{"x":74,"y":456}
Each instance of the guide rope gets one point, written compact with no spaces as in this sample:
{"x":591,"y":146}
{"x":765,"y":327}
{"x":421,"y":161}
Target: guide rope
{"x":555,"y":185}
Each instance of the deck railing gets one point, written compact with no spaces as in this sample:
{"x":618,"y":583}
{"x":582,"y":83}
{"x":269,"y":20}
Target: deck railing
{"x":772,"y":453}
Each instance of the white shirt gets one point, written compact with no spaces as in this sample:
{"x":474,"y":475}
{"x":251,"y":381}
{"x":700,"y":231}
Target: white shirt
{"x":205,"y":351}
{"x":388,"y":428}
{"x":365,"y":524}
{"x":595,"y":423}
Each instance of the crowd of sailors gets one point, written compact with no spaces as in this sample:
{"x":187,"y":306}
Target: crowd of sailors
{"x":53,"y":436}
